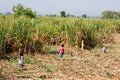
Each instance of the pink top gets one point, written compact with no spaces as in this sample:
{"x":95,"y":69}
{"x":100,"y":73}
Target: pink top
{"x":61,"y":50}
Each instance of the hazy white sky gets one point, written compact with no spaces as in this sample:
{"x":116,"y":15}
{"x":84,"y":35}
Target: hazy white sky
{"x":74,"y":7}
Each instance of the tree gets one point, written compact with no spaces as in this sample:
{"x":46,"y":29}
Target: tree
{"x":8,"y":13}
{"x":110,"y":15}
{"x":68,"y":15}
{"x":84,"y":16}
{"x":63,"y":14}
{"x":29,"y":13}
{"x":19,"y":10}
{"x":118,"y":14}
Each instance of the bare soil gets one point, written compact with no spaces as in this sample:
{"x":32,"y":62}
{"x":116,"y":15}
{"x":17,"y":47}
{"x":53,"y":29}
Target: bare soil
{"x":75,"y":65}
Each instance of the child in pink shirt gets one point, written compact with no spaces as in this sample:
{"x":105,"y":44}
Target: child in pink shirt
{"x":61,"y":50}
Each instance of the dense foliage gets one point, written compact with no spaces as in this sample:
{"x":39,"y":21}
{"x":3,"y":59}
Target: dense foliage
{"x":63,"y":14}
{"x":110,"y":14}
{"x":33,"y":33}
{"x":19,"y":10}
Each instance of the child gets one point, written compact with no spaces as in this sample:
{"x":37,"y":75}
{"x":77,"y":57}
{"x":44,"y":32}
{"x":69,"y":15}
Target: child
{"x":20,"y":59}
{"x":61,"y":50}
{"x":104,"y":49}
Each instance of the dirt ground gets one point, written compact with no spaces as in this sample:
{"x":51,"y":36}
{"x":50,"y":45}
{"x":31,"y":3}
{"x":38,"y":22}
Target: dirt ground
{"x":82,"y":65}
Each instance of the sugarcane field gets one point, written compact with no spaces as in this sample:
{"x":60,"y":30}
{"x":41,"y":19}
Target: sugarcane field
{"x":50,"y":47}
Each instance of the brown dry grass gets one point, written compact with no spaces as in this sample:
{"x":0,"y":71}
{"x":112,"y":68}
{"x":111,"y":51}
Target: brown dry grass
{"x":82,"y":65}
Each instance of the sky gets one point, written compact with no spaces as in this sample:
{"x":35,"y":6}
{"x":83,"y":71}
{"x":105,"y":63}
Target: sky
{"x":73,"y":7}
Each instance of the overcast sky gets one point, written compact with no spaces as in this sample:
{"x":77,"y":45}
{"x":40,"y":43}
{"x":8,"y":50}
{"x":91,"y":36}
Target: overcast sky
{"x":74,"y":7}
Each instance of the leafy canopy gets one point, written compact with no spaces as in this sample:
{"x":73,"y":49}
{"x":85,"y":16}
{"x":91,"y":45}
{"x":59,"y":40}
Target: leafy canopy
{"x":63,"y":14}
{"x":19,"y":10}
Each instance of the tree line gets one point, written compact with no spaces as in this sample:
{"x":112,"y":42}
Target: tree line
{"x":20,"y":10}
{"x":110,"y":14}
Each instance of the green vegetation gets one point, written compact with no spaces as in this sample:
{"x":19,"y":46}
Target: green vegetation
{"x":27,"y":60}
{"x":44,"y":34}
{"x":33,"y":33}
{"x":19,"y":10}
{"x":110,"y":14}
{"x":63,"y":14}
{"x":85,"y":64}
{"x":14,"y":61}
{"x":48,"y":68}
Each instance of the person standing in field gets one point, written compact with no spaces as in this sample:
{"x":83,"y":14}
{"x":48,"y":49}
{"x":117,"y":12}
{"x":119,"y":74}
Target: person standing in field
{"x":20,"y":58}
{"x":103,"y":49}
{"x":61,"y":50}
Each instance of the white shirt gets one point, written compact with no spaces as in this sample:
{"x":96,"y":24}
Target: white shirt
{"x":20,"y":60}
